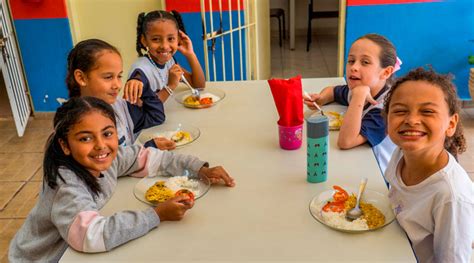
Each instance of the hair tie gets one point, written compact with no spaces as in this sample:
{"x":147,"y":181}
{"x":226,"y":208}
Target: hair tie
{"x":397,"y":65}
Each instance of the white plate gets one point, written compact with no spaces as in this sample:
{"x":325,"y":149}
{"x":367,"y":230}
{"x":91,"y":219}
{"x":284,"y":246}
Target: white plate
{"x":379,"y":200}
{"x":142,"y":186}
{"x":168,"y":130}
{"x":333,"y":112}
{"x":214,"y":93}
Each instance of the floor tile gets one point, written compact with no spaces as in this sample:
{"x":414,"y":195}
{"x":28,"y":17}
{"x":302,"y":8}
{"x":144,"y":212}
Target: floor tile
{"x":8,"y":228}
{"x":38,"y":176}
{"x":19,"y":166}
{"x":23,"y":202}
{"x":8,"y":191}
{"x":32,"y":141}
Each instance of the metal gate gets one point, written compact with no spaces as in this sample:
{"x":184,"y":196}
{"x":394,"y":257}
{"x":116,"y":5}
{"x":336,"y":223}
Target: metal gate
{"x":12,"y":71}
{"x":237,"y":35}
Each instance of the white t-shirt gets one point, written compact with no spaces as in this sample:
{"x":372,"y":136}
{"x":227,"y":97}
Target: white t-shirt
{"x":437,"y":214}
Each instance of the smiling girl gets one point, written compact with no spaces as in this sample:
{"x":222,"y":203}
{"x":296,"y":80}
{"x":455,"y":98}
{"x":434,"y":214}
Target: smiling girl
{"x":81,"y":165}
{"x":160,"y":34}
{"x":431,"y":194}
{"x":371,"y":62}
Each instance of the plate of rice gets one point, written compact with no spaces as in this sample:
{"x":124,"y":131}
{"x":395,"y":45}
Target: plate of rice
{"x":181,"y":134}
{"x":208,"y":98}
{"x":375,"y":206}
{"x":158,"y":189}
{"x":334,"y":112}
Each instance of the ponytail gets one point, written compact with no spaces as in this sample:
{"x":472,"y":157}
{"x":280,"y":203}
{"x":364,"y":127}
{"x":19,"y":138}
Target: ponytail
{"x":139,"y":45}
{"x":179,"y":20}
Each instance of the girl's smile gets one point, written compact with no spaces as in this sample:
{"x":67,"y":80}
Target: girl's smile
{"x":161,"y":39}
{"x":92,"y":142}
{"x":418,"y":117}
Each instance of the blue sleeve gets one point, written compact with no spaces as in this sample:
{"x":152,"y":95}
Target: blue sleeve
{"x":139,"y":75}
{"x":150,"y":143}
{"x":373,"y":127}
{"x":341,"y":94}
{"x":150,"y":114}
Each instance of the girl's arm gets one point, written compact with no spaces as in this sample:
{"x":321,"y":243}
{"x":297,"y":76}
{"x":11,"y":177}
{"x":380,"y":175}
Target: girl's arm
{"x":150,"y":113}
{"x":349,"y":134}
{"x":196,"y":76}
{"x":324,"y":97}
{"x":75,"y":214}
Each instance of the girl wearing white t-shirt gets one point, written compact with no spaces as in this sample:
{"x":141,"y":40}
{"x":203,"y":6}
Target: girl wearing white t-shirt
{"x":431,"y":194}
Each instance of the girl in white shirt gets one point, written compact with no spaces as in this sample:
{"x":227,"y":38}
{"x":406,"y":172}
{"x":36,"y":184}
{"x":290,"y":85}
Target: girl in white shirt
{"x":431,"y":194}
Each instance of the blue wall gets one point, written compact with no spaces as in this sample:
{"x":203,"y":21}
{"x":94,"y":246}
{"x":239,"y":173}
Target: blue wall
{"x":44,"y":45}
{"x":440,"y":34}
{"x":192,"y":22}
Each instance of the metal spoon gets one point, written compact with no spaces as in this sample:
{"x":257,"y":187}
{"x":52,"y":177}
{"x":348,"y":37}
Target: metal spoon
{"x":195,"y":93}
{"x":355,"y":212}
{"x":314,"y":103}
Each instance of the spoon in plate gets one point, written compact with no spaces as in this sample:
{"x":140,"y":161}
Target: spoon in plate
{"x":194,"y":92}
{"x":355,"y":212}
{"x":314,"y":103}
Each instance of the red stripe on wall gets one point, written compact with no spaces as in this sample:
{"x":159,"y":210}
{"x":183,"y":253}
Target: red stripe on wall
{"x":31,"y":9}
{"x":387,"y":2}
{"x":193,"y":6}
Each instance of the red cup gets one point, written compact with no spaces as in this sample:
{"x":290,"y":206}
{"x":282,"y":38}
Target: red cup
{"x":290,"y":137}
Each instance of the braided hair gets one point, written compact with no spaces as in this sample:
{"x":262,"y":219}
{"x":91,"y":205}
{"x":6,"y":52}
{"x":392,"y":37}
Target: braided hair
{"x":66,"y":116}
{"x":455,"y":144}
{"x":84,"y":57}
{"x":144,"y":20}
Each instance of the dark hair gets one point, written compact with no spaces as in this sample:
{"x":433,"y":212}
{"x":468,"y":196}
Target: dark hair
{"x":144,"y":20}
{"x":83,"y":57}
{"x":66,"y":116}
{"x":388,"y":54}
{"x":455,"y":144}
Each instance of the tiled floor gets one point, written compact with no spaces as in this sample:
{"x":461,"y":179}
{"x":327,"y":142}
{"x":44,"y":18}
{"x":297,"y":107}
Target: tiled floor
{"x":20,"y":158}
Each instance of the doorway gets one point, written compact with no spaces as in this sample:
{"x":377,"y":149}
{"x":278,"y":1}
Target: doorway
{"x":13,"y":90}
{"x":322,"y":59}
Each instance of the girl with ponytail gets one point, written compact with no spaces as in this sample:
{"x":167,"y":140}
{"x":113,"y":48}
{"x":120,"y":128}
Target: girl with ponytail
{"x":160,"y":34}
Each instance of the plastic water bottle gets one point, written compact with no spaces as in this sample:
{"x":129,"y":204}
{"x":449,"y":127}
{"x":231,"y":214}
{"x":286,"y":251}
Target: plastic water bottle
{"x":317,"y":128}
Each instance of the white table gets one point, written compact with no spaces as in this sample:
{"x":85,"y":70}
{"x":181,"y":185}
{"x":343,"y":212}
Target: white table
{"x":266,"y":216}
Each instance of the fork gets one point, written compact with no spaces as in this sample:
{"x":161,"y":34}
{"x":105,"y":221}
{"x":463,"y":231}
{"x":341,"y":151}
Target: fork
{"x":195,"y":93}
{"x":314,"y":103}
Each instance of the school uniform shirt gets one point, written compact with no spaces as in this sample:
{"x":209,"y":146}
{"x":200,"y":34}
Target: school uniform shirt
{"x":437,"y":214}
{"x":372,"y":125}
{"x":151,"y":74}
{"x":132,"y":119}
{"x":69,"y":215}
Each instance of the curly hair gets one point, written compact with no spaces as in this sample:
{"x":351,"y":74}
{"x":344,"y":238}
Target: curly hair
{"x":84,"y":57}
{"x":144,"y":20}
{"x":455,"y":144}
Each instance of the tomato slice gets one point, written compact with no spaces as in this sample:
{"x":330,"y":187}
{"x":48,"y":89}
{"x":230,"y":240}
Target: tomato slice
{"x":340,"y":195}
{"x":185,"y":192}
{"x":334,"y":207}
{"x":205,"y":101}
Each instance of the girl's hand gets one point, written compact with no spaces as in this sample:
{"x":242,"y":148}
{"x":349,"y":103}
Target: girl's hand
{"x":133,"y":91}
{"x":174,"y":76}
{"x":185,"y":45}
{"x":174,"y":208}
{"x":363,"y":92}
{"x":217,"y":175}
{"x":314,"y":97}
{"x":164,"y":144}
